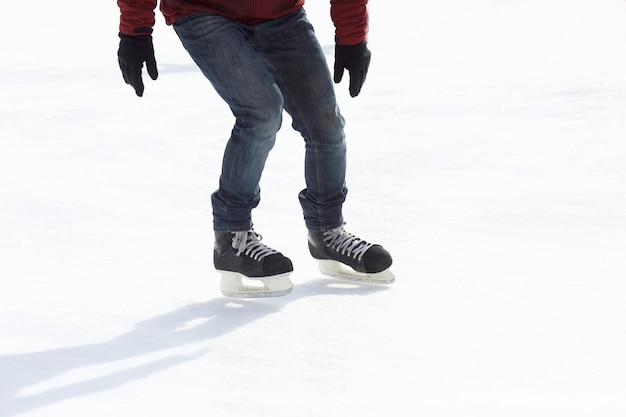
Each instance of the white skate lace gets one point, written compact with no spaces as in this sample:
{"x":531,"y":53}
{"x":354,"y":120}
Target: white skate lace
{"x":249,"y":243}
{"x":346,"y":243}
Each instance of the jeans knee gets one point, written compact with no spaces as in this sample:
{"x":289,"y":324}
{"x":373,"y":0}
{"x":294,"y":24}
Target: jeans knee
{"x":261,"y":118}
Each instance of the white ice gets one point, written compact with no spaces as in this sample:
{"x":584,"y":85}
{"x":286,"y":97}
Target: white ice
{"x":486,"y":152}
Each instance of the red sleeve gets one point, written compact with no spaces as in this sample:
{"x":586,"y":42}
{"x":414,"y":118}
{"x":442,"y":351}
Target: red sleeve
{"x":136,"y":16}
{"x":350,"y":18}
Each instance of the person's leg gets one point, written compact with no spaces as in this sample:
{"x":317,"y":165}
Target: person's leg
{"x":222,"y":50}
{"x":301,"y":71}
{"x":299,"y":67}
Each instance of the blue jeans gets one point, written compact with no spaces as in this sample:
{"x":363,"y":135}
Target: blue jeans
{"x":261,"y":70}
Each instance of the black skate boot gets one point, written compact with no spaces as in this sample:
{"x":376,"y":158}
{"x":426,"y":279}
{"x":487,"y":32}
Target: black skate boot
{"x":343,"y":255}
{"x":240,"y":256}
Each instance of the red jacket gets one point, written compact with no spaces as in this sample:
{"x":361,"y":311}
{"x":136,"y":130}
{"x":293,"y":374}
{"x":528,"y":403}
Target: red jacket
{"x":137,"y":16}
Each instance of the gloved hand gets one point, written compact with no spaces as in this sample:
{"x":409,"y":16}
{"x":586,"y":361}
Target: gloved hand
{"x":133,"y":52}
{"x":356,"y":59}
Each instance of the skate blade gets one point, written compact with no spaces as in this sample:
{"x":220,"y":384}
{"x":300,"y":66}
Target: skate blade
{"x":236,"y":285}
{"x":338,"y":270}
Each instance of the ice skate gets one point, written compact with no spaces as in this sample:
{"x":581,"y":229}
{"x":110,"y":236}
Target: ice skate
{"x":344,"y":256}
{"x":249,"y":268}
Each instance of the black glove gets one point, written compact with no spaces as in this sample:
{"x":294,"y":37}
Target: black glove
{"x":356,"y":59}
{"x":133,"y":52}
